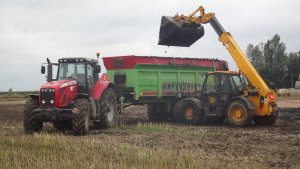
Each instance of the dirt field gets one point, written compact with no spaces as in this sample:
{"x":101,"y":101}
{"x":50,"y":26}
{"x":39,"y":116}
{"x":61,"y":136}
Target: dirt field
{"x":218,"y":146}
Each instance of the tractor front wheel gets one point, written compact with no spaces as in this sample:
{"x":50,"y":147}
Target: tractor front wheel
{"x":81,"y":116}
{"x":31,"y":124}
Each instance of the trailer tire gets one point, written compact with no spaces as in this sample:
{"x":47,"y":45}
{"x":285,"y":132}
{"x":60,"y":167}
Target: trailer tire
{"x":239,"y":115}
{"x":154,"y":114}
{"x":31,"y":125}
{"x":81,"y":118}
{"x":108,"y":109}
{"x":265,"y":120}
{"x":187,"y":111}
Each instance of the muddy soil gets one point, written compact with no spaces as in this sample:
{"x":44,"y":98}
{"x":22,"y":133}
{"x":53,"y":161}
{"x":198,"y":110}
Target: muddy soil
{"x":276,"y":146}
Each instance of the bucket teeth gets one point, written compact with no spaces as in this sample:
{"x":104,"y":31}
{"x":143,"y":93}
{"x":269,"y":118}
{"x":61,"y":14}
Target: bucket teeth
{"x":181,"y":34}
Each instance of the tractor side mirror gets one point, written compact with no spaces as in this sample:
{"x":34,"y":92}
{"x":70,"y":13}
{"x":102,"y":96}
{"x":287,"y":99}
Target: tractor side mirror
{"x":97,"y":69}
{"x":43,"y":69}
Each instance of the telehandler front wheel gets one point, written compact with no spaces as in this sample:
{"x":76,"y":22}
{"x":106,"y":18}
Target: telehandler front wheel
{"x":239,"y":115}
{"x":81,"y":116}
{"x":31,"y":124}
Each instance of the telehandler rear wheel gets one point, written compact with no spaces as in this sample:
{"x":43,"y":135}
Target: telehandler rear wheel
{"x":108,"y":109}
{"x":187,"y":111}
{"x":81,"y":118}
{"x":31,"y":124}
{"x":239,"y":115}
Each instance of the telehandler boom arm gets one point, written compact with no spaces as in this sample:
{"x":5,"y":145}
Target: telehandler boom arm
{"x":233,"y":48}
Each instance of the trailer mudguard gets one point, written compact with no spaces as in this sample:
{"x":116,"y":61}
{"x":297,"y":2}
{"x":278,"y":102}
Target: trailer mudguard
{"x":100,"y":86}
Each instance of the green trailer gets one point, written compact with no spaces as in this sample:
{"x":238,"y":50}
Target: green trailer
{"x":158,"y":81}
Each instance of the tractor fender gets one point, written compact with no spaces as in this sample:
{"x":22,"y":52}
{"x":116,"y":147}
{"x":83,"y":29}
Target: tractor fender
{"x":198,"y":102}
{"x":34,"y":96}
{"x":99,"y":88}
{"x":248,"y":103}
{"x":82,"y":95}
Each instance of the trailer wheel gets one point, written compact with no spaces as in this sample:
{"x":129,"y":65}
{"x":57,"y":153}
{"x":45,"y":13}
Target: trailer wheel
{"x":239,"y":115}
{"x":187,"y":111}
{"x":154,"y":114}
{"x":81,"y":117}
{"x":108,"y":109}
{"x":265,"y":120}
{"x":31,"y":124}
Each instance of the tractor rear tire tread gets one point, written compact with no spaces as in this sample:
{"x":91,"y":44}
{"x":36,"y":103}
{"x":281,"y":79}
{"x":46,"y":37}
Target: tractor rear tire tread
{"x":107,"y":96}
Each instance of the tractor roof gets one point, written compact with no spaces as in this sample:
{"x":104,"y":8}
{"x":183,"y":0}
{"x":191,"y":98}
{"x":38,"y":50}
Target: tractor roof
{"x":76,"y":59}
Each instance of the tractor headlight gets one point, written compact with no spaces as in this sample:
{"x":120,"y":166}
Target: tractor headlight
{"x":43,"y":101}
{"x":51,"y":101}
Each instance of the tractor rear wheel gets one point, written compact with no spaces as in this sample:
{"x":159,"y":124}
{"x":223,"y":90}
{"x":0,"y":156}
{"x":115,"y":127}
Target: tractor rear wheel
{"x":108,"y":109}
{"x":265,"y":120}
{"x":154,"y":113}
{"x":81,"y":116}
{"x":31,"y":124}
{"x":187,"y":111}
{"x":239,"y":115}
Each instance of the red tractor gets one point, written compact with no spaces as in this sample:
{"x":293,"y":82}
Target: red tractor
{"x":75,"y":99}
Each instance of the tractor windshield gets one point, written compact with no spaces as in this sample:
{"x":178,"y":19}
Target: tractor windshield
{"x":74,"y":71}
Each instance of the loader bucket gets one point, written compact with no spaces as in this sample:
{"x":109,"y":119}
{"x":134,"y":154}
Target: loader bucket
{"x":183,"y":34}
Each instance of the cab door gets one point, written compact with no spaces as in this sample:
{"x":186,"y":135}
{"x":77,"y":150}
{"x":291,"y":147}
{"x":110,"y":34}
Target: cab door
{"x":217,"y":91}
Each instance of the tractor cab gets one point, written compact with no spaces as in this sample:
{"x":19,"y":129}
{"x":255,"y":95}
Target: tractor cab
{"x":83,"y":70}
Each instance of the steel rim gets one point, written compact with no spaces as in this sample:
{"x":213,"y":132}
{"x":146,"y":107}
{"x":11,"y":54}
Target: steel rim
{"x":237,"y":114}
{"x":189,"y":113}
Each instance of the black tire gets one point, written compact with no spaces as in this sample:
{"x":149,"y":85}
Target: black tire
{"x":154,"y":113}
{"x":108,"y":109}
{"x":239,"y":115}
{"x":215,"y":120}
{"x":186,"y":111}
{"x":265,"y":120}
{"x":81,"y":118}
{"x":62,"y":125}
{"x":31,"y":124}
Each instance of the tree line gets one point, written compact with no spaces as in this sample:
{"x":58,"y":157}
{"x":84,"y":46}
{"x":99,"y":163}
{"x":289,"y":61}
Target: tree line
{"x":273,"y":63}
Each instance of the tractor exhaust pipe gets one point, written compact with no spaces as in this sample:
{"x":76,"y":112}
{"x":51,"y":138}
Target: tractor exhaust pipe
{"x":179,"y":33}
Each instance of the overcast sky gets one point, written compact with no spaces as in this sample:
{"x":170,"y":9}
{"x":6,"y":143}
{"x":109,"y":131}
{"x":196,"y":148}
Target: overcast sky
{"x":32,"y":30}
